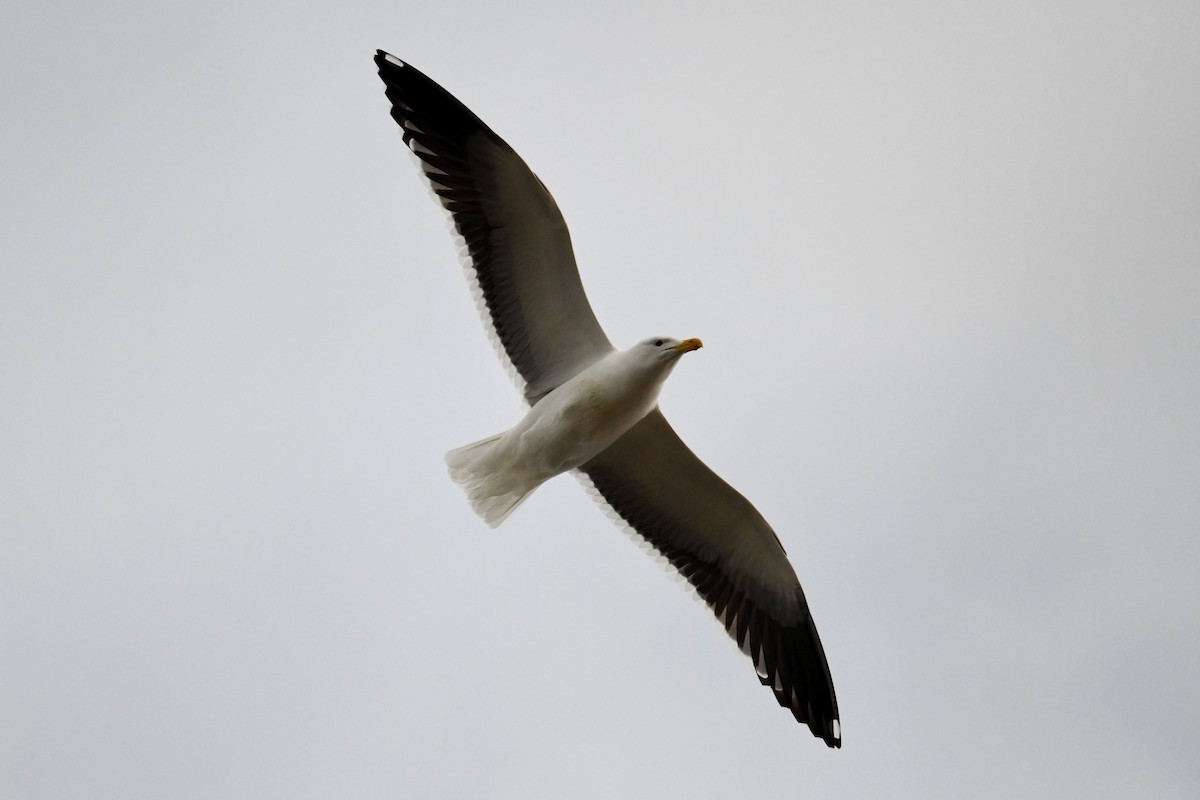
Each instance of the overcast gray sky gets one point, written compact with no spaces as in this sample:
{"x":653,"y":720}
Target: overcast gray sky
{"x":945,"y":259}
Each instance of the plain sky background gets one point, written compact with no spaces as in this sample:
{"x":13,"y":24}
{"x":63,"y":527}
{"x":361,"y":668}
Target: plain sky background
{"x":945,"y":258}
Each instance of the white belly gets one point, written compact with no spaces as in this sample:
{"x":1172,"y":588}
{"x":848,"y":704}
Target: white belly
{"x":566,"y":429}
{"x":580,"y":419}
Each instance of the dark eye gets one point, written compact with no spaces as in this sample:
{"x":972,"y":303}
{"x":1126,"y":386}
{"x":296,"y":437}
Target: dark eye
{"x":658,"y":342}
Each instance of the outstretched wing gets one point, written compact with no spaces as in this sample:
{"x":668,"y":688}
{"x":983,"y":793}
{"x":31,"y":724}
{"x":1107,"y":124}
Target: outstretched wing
{"x":515,"y":242}
{"x":729,"y":554}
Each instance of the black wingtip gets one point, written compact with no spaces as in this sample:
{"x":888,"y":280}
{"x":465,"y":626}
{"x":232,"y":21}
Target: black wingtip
{"x":385,"y":60}
{"x":833,"y":734}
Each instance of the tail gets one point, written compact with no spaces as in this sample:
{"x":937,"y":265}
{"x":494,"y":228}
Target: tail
{"x":493,"y":487}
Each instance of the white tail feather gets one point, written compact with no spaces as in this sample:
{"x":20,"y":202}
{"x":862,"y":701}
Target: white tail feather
{"x":493,"y":489}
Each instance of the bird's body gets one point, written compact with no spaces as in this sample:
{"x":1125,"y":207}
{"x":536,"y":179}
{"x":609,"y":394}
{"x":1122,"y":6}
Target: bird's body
{"x":567,"y":428}
{"x":593,"y":409}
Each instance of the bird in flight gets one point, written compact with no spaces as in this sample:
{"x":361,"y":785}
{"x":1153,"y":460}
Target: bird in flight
{"x":593,"y":408}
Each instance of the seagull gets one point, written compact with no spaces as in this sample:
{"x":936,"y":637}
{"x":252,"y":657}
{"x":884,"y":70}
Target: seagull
{"x":593,"y":409}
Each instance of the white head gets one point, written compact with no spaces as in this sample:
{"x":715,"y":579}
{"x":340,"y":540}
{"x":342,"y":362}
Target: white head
{"x":661,"y":353}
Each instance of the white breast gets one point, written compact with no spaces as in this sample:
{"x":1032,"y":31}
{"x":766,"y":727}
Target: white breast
{"x":586,"y":414}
